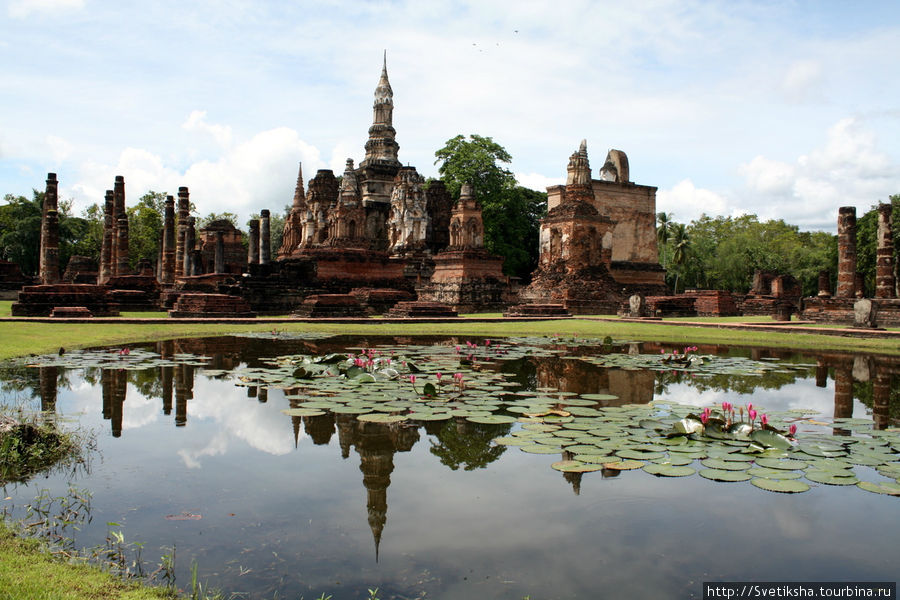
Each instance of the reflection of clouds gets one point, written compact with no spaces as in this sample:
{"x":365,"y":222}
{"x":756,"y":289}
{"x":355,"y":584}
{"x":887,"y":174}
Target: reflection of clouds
{"x":216,"y":447}
{"x":139,"y":410}
{"x":793,"y":395}
{"x":262,"y":426}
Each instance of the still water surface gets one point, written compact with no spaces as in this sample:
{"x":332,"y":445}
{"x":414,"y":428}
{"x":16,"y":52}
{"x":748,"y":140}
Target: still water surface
{"x":266,"y":503}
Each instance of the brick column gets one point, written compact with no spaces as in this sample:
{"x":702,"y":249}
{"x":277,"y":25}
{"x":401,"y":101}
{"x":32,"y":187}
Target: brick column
{"x":184,"y":212}
{"x":167,"y":272}
{"x":219,"y":263}
{"x":106,"y":249}
{"x":881,"y":397}
{"x":120,"y":256}
{"x":49,"y":259}
{"x":188,"y":247}
{"x":265,"y":243}
{"x":824,"y":284}
{"x":884,"y":261}
{"x":846,"y":287}
{"x":253,"y":246}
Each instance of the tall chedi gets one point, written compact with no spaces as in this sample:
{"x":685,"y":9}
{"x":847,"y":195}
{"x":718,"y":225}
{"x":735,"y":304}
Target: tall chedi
{"x":381,"y":147}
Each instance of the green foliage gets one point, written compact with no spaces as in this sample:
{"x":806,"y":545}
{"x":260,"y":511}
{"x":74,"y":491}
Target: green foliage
{"x":30,"y":445}
{"x":867,"y":242}
{"x":20,"y":231}
{"x":724,"y":252}
{"x":145,"y":224}
{"x":511,"y":213}
{"x":468,"y":445}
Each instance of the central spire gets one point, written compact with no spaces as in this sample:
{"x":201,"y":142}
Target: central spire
{"x":381,"y":145}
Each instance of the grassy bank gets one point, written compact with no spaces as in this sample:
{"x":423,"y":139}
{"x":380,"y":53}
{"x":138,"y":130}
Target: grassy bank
{"x":36,"y":338}
{"x":28,"y":572}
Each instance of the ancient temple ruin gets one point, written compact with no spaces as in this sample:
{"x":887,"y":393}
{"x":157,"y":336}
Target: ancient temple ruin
{"x":598,"y":240}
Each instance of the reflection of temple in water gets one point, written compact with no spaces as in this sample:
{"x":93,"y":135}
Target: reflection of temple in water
{"x":47,"y":387}
{"x":868,"y":379}
{"x":629,"y":386}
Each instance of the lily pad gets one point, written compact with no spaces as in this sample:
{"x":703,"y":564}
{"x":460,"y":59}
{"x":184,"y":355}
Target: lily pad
{"x":574,"y":466}
{"x":491,"y":419}
{"x":781,"y":463}
{"x":382,"y":418}
{"x":784,"y":486}
{"x":720,"y":475}
{"x":303,"y":412}
{"x":830,"y":477}
{"x":624,"y":465}
{"x":882,"y":487}
{"x":725,"y":465}
{"x":773,"y":473}
{"x":669,"y":470}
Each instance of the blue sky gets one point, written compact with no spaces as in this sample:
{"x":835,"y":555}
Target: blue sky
{"x":783,"y":109}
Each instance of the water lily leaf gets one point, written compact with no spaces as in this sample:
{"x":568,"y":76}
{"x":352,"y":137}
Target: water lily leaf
{"x":303,"y":412}
{"x":882,"y":487}
{"x":724,"y":465}
{"x":770,"y":439}
{"x":541,"y":449}
{"x":669,"y":470}
{"x":831,"y":477}
{"x":720,"y":475}
{"x":677,"y":461}
{"x":491,"y":419}
{"x":624,"y":465}
{"x":773,"y":473}
{"x":599,"y":459}
{"x":688,"y":426}
{"x":511,"y":441}
{"x":351,"y":410}
{"x":382,"y":418}
{"x":784,"y":486}
{"x":435,"y":416}
{"x":574,"y":466}
{"x":781,"y":463}
{"x":639,"y":454}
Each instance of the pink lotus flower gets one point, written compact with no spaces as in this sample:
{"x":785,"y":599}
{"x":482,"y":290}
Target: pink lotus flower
{"x":412,"y":378}
{"x":752,"y":414}
{"x":792,"y":430}
{"x":749,"y":407}
{"x":487,"y":342}
{"x":457,"y":349}
{"x":661,"y":351}
{"x":764,"y":419}
{"x":439,"y":375}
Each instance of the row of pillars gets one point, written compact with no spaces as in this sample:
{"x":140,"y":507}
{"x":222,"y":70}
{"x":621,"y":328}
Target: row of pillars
{"x":849,"y":283}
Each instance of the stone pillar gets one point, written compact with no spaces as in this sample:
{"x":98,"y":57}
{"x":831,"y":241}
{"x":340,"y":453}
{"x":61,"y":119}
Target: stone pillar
{"x":105,"y":269}
{"x":49,"y":257}
{"x":196,"y":262}
{"x":122,"y":267}
{"x":120,"y":257}
{"x":824,"y":284}
{"x":884,"y":258}
{"x":265,"y":244}
{"x":184,"y":212}
{"x":253,"y":246}
{"x":846,"y":287}
{"x":219,"y":264}
{"x":167,"y":271}
{"x":821,"y":373}
{"x":188,"y":246}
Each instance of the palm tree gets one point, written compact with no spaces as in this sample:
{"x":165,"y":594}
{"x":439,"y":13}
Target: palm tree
{"x":663,"y":232}
{"x":681,"y":246}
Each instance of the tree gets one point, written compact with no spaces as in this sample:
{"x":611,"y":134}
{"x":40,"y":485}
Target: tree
{"x":681,"y":244}
{"x":663,"y":231}
{"x":511,"y":213}
{"x":20,"y":231}
{"x":145,"y":223}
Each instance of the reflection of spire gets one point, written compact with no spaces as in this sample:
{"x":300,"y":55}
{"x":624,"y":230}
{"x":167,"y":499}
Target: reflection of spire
{"x":346,"y":426}
{"x":320,"y":428}
{"x":881,"y":397}
{"x":575,"y":480}
{"x":48,"y":377}
{"x":294,"y":402}
{"x":376,"y":452}
{"x":106,"y":385}
{"x":184,"y":386}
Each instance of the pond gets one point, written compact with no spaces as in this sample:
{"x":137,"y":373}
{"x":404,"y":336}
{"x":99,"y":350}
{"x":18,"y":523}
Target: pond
{"x":454,"y":468}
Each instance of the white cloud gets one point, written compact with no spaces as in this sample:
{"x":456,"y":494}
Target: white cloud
{"x":197,"y":122}
{"x":803,"y":81}
{"x":60,"y":149}
{"x":19,"y":9}
{"x":687,"y":202}
{"x":536,"y":181}
{"x":849,"y":169}
{"x":248,"y":176}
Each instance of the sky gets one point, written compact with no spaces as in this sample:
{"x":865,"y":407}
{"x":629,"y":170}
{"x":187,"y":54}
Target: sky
{"x":787,"y":110}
